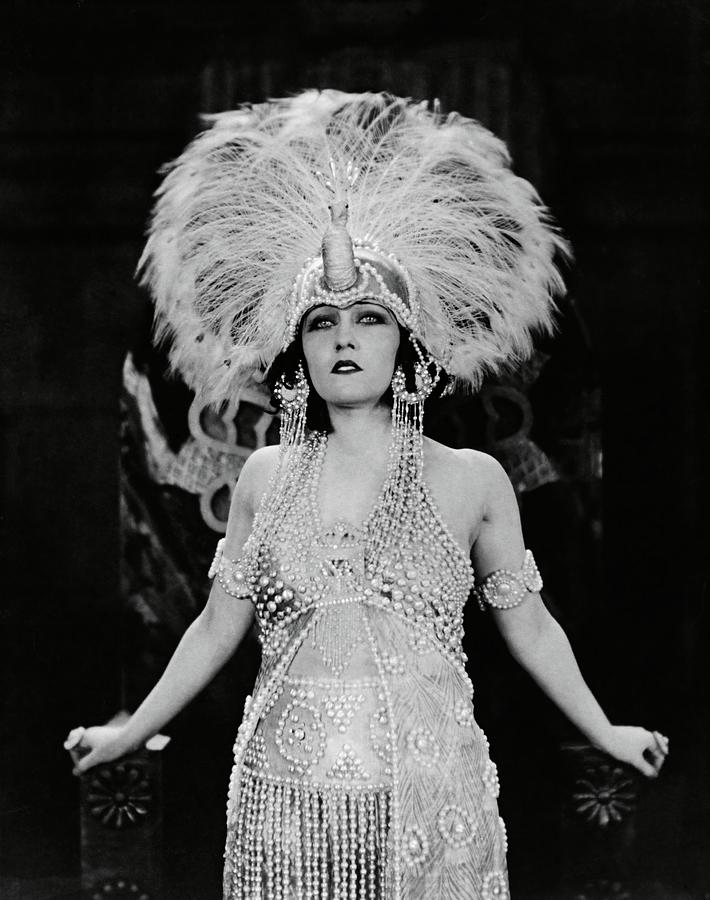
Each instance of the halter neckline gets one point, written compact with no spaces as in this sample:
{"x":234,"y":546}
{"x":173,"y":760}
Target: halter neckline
{"x":361,"y":533}
{"x":359,"y":530}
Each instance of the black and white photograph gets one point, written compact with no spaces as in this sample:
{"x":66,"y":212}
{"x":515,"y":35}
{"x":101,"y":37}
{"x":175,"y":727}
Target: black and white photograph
{"x":354,"y":398}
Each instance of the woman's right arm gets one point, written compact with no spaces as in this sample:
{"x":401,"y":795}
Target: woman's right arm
{"x":204,"y":649}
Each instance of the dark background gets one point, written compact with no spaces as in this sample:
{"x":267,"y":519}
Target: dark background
{"x":605,"y":105}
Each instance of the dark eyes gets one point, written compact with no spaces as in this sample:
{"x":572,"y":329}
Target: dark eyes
{"x":369,"y":316}
{"x":319,"y":322}
{"x":325,"y":320}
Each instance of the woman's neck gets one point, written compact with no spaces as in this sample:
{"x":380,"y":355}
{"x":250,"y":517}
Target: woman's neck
{"x":356,"y":431}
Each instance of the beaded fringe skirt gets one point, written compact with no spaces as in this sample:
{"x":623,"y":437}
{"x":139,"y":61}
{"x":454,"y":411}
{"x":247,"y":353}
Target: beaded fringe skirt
{"x":296,"y":841}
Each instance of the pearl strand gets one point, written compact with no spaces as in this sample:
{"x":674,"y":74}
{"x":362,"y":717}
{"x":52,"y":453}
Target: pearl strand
{"x":394,"y":763}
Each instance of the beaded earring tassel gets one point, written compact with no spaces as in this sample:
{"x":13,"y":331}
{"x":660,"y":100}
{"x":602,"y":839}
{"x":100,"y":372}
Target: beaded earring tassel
{"x":406,"y":460}
{"x":293,"y":399}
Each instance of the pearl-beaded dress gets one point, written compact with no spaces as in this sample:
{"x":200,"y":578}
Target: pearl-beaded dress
{"x":359,"y":770}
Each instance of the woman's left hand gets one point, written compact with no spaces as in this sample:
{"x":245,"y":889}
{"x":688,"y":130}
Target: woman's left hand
{"x":643,"y":749}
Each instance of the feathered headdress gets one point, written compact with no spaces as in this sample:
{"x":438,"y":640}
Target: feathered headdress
{"x":418,"y":211}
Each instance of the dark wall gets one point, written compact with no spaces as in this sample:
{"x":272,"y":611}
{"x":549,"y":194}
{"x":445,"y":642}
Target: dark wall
{"x":607,"y":113}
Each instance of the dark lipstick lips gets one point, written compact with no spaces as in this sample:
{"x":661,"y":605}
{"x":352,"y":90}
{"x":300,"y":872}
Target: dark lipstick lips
{"x":341,"y":363}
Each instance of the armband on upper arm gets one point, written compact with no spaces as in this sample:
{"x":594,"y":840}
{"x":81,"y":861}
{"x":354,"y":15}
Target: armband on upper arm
{"x":504,"y":589}
{"x":230,"y":574}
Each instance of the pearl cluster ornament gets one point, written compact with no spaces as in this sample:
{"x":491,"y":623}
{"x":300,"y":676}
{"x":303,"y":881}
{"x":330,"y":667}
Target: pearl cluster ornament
{"x":301,"y":736}
{"x":455,"y":826}
{"x":393,"y":664}
{"x":348,"y":766}
{"x":495,"y":886}
{"x":422,"y":744}
{"x":255,"y":755}
{"x":340,"y":709}
{"x":463,"y":712}
{"x":416,"y":846}
{"x":504,"y":589}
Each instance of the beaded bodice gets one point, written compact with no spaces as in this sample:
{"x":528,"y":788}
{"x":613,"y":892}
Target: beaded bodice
{"x":412,"y":567}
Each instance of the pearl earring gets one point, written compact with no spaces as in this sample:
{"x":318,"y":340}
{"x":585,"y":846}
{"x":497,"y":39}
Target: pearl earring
{"x":293,"y":401}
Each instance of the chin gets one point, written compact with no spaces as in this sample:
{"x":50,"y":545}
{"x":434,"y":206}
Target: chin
{"x":351,"y":398}
{"x":352,"y":394}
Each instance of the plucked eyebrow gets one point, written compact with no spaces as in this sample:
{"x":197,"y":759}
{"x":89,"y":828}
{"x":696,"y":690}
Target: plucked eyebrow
{"x":377,"y":305}
{"x":325,"y":308}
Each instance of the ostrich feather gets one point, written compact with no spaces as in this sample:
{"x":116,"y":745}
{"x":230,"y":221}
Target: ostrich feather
{"x":243,"y":208}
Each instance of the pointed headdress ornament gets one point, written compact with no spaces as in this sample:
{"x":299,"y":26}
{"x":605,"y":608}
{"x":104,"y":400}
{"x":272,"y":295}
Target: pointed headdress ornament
{"x":339,"y":268}
{"x":419,"y":212}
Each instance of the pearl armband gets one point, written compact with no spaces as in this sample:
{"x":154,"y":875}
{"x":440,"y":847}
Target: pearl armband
{"x":230,"y":574}
{"x":504,"y":589}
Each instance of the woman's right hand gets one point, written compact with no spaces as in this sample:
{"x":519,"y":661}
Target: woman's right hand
{"x":91,"y":746}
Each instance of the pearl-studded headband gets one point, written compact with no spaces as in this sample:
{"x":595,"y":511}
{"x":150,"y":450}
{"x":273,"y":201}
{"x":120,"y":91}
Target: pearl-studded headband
{"x":380,"y":278}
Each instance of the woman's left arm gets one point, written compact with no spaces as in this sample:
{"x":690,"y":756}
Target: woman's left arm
{"x":538,"y":642}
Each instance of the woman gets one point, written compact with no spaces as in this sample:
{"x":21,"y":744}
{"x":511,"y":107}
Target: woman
{"x":420,"y":261}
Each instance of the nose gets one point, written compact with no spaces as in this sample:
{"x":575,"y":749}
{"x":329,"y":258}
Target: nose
{"x":345,"y":336}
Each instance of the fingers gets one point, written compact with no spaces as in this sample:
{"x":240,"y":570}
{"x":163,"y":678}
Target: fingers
{"x":74,"y":745}
{"x":82,"y":754}
{"x":74,"y":738}
{"x":661,"y":742}
{"x":647,"y":769}
{"x":643,"y":749}
{"x":650,"y":770}
{"x":657,"y":749}
{"x":86,"y":762}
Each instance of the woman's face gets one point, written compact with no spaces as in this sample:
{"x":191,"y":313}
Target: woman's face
{"x":350,"y":353}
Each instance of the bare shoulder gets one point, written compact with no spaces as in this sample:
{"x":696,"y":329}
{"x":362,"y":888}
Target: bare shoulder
{"x":490,"y":474}
{"x":466,"y":466}
{"x":250,"y":487}
{"x":256,"y":473}
{"x":484,"y":468}
{"x":471,"y":480}
{"x":459,"y":481}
